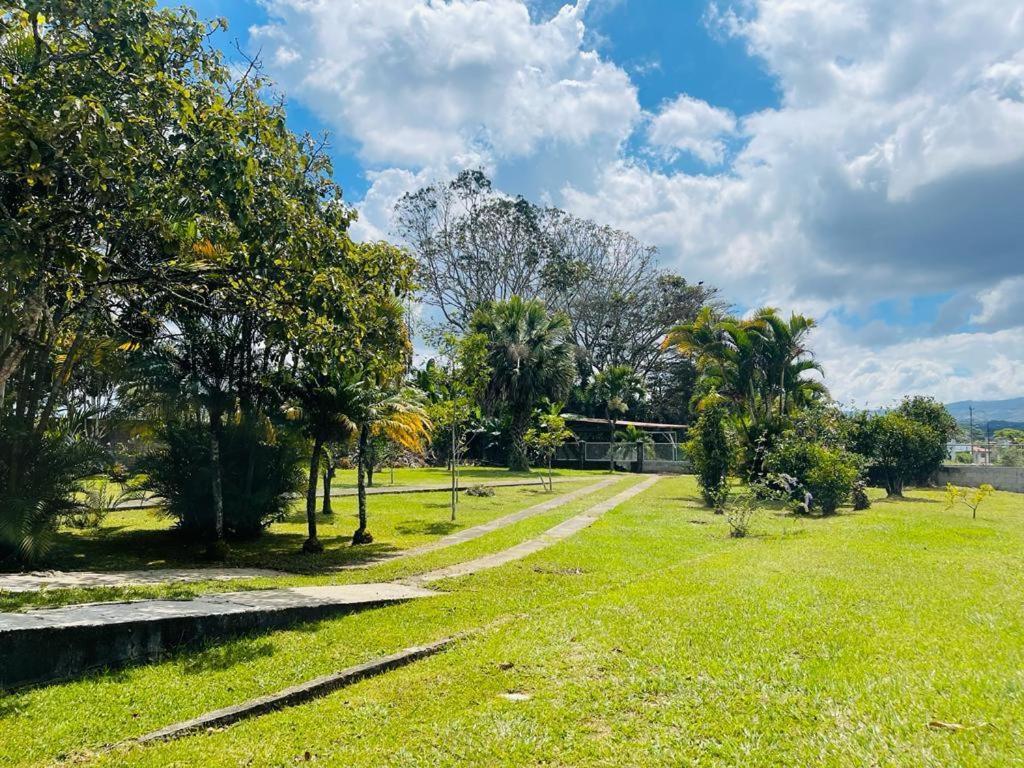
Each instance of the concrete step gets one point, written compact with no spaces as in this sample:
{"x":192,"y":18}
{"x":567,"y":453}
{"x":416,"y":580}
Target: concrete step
{"x":56,"y":644}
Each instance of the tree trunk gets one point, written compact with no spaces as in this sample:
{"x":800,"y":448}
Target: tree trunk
{"x":455,"y":473}
{"x":217,"y":549}
{"x":611,"y":447}
{"x":551,"y":481}
{"x":327,"y":509}
{"x":518,"y":459}
{"x":893,"y":486}
{"x":369,"y":474}
{"x":312,"y":544}
{"x":362,"y":536}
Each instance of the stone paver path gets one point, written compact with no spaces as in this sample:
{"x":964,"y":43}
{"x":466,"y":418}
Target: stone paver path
{"x":552,"y":536}
{"x":37,"y":580}
{"x":468,"y":534}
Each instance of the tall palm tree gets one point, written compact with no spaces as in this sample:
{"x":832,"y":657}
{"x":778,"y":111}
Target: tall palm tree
{"x":758,"y":365}
{"x":785,"y":358}
{"x":530,"y":357}
{"x":613,"y":389}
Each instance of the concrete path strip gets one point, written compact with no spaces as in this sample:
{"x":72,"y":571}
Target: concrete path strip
{"x":216,"y":604}
{"x":37,"y":580}
{"x":386,"y":490}
{"x":295,"y":695}
{"x":468,"y":534}
{"x":552,"y":536}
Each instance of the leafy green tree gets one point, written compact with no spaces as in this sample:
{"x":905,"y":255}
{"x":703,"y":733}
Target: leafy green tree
{"x":614,"y":391}
{"x":932,"y":414}
{"x":530,"y":358}
{"x":454,"y":384}
{"x":901,"y":449}
{"x":548,"y":436}
{"x":710,"y":452}
{"x":1012,"y":435}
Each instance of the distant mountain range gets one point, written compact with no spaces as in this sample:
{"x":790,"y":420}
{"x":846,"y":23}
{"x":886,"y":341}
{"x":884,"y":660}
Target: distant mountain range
{"x":997,"y":413}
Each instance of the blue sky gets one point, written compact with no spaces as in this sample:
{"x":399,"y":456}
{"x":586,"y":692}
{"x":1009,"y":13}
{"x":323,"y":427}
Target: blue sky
{"x":859,"y":160}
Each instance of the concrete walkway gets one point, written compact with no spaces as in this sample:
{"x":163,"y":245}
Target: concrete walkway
{"x":386,"y":490}
{"x":37,"y":580}
{"x":468,"y":534}
{"x":550,"y":537}
{"x":77,"y":638}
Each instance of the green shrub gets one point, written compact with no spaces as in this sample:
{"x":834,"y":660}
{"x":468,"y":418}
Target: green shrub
{"x":711,"y":455}
{"x":1012,"y":457}
{"x":831,"y":480}
{"x":859,"y":497}
{"x":828,"y":475}
{"x":39,"y":478}
{"x":260,"y":472}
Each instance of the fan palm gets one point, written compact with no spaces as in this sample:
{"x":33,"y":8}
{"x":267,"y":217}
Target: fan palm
{"x":530,"y":358}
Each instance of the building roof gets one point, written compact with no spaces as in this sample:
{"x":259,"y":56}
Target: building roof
{"x":570,"y":419}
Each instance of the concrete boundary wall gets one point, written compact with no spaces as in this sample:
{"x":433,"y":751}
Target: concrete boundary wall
{"x":1000,"y":478}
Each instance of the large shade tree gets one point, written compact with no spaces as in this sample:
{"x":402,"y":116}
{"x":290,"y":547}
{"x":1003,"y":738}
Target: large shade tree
{"x":530,"y":358}
{"x":474,"y":245}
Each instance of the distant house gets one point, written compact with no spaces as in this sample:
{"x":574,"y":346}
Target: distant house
{"x":663,"y":451}
{"x":591,"y":430}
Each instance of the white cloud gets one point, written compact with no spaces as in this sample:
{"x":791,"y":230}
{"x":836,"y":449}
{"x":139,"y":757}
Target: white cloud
{"x":420,"y":83}
{"x":1002,"y":306}
{"x":956,"y":367}
{"x":691,"y":125}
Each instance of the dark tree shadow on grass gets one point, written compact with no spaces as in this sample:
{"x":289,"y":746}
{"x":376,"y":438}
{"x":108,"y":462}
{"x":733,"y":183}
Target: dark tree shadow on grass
{"x":440,"y":528}
{"x":221,"y":657}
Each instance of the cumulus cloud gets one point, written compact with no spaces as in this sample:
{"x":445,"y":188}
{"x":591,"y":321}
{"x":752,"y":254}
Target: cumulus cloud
{"x":421,"y":83}
{"x":1002,"y":306}
{"x":958,"y":366}
{"x":691,"y":125}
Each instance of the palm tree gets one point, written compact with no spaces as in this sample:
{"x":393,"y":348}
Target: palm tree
{"x":758,"y":366}
{"x":398,"y":416}
{"x":326,"y":398}
{"x":613,"y":389}
{"x":530,"y":358}
{"x":785,"y":357}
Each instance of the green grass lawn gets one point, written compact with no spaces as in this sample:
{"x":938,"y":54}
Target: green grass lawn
{"x":651,"y":638}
